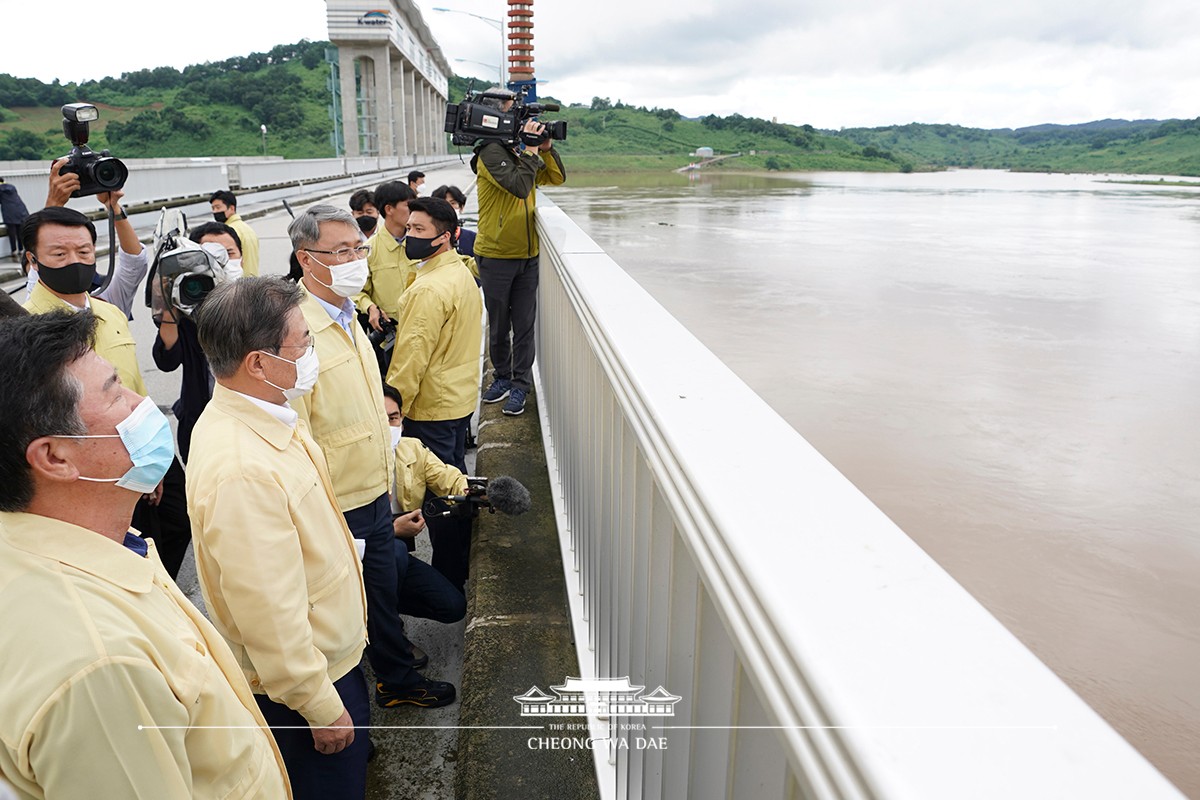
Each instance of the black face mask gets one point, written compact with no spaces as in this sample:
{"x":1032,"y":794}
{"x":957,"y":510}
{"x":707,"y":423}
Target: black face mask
{"x":219,"y":216}
{"x":68,"y":279}
{"x":367,"y":223}
{"x":420,"y":249}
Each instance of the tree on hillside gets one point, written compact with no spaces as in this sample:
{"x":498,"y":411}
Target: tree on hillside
{"x":20,"y":145}
{"x":24,"y":92}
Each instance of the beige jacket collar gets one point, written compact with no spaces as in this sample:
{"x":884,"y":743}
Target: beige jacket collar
{"x":79,"y":548}
{"x":273,"y":431}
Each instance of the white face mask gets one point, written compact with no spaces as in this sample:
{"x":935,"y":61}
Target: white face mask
{"x":348,"y":279}
{"x":308,"y":367}
{"x":396,"y":434}
{"x":233,"y":269}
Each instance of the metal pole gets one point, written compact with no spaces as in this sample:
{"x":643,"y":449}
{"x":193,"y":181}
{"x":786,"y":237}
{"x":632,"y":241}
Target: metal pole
{"x":499,"y":23}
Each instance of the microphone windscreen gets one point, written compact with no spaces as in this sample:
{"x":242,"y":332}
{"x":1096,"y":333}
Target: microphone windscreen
{"x":508,"y":495}
{"x":551,"y":106}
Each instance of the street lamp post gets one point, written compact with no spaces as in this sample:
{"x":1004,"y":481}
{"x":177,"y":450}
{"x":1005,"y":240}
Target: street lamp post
{"x":264,"y":133}
{"x":472,"y":61}
{"x":499,"y":23}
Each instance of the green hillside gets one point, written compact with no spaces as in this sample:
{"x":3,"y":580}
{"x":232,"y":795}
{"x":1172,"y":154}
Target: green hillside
{"x":215,"y":109}
{"x":1142,"y":147}
{"x":203,"y":110}
{"x":613,"y":137}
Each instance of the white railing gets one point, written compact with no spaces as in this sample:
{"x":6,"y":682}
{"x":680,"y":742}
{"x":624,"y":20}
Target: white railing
{"x":161,"y":180}
{"x":711,"y":550}
{"x":155,"y":180}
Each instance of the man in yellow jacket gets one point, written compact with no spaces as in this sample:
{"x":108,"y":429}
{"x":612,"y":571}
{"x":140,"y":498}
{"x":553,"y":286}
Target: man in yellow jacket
{"x":276,"y":562}
{"x":421,"y":590}
{"x":435,"y":364}
{"x":62,"y":245}
{"x":224,"y":208}
{"x":390,"y":268}
{"x":345,"y":413}
{"x":115,"y":685}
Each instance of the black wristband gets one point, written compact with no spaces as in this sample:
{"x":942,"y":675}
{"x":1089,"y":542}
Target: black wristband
{"x":121,"y":216}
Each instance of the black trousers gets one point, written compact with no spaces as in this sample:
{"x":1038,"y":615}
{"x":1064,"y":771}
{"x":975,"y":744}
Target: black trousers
{"x":318,"y":776}
{"x":167,"y":523}
{"x":450,"y":536}
{"x":510,"y":294}
{"x":389,"y":650}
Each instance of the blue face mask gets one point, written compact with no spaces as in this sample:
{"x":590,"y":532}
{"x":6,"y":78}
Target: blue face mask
{"x":146,"y":434}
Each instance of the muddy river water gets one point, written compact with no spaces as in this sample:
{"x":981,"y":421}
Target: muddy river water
{"x":1007,"y":364}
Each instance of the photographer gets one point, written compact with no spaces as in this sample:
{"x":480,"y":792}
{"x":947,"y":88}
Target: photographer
{"x":178,"y":342}
{"x":506,"y":249}
{"x":390,"y":270}
{"x":131,"y":264}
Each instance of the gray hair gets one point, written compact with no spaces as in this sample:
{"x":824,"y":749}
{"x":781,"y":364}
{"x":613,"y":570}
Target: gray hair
{"x":305,"y":229}
{"x":238,"y":318}
{"x":496,"y":97}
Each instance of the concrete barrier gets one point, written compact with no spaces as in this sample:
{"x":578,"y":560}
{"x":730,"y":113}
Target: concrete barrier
{"x":518,"y":633}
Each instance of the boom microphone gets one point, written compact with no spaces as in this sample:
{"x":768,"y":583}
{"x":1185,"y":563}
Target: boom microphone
{"x":502,"y":493}
{"x":508,"y":496}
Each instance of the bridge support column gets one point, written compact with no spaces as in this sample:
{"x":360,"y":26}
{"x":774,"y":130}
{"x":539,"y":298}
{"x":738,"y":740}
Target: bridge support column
{"x":347,"y":58}
{"x":410,"y":110}
{"x":399,"y":116}
{"x":384,"y":130}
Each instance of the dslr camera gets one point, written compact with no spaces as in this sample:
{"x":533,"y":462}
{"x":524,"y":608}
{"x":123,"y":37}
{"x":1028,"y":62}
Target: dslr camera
{"x":98,"y":172}
{"x":478,"y":118}
{"x":385,"y":337}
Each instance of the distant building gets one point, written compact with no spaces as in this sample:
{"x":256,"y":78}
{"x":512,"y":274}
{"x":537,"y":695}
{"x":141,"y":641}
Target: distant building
{"x":703,"y":152}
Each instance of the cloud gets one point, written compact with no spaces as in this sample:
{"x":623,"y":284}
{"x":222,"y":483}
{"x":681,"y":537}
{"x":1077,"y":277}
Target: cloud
{"x":873,"y":63}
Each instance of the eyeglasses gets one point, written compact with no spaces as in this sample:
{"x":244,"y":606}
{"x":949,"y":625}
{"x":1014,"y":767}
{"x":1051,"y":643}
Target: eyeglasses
{"x":346,"y":253}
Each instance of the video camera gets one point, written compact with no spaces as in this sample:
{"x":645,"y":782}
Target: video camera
{"x":98,"y":172}
{"x":478,"y":118}
{"x":185,"y":272}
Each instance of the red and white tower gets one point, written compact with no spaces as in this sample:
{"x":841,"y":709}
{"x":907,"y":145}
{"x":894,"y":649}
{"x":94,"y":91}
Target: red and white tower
{"x":520,"y":42}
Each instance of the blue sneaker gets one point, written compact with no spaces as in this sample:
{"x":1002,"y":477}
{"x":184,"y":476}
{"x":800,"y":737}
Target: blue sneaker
{"x":516,"y":402}
{"x":497,"y":391}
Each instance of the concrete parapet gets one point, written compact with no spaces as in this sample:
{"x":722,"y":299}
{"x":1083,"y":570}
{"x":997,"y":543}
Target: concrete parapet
{"x":518,"y":633}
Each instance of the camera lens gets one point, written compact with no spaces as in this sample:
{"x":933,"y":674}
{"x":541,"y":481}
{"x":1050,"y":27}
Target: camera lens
{"x":109,"y":173}
{"x":194,"y":288}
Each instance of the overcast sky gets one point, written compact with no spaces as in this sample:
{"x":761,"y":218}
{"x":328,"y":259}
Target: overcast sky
{"x":829,"y":63}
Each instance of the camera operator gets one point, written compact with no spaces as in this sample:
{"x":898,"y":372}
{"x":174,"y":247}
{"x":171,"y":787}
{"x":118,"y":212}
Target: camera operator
{"x":178,"y":342}
{"x":131,"y":264}
{"x":390,"y":270}
{"x":506,"y":249}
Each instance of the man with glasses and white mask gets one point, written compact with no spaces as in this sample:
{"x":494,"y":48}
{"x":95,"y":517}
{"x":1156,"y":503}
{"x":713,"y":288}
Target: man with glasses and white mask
{"x":276,"y":562}
{"x":347,"y":418}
